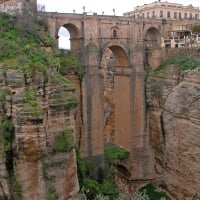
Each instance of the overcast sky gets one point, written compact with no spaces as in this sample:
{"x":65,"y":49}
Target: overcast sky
{"x":102,"y":5}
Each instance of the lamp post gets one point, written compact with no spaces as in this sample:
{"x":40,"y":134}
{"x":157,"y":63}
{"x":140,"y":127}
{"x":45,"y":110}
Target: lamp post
{"x":114,"y":11}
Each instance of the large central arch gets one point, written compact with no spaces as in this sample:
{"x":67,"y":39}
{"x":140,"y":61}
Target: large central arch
{"x":120,"y":56}
{"x":117,"y":95}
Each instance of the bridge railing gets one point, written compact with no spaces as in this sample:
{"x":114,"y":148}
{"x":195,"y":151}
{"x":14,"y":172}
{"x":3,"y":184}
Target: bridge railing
{"x":192,"y":41}
{"x":151,"y":45}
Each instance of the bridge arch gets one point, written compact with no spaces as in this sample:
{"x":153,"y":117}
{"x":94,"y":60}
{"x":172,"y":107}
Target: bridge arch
{"x":152,"y":38}
{"x":120,"y":56}
{"x":114,"y":66}
{"x":119,"y":53}
{"x":75,"y":43}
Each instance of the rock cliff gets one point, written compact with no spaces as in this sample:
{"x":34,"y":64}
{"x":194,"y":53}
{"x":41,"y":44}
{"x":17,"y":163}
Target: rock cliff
{"x":173,"y":106}
{"x":41,"y":159}
{"x":37,"y":116}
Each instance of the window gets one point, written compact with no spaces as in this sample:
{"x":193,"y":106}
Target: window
{"x":190,"y":15}
{"x":114,"y":33}
{"x":161,"y":13}
{"x":175,"y":15}
{"x":143,"y":15}
{"x":153,"y":14}
{"x":196,"y":16}
{"x":185,"y":15}
{"x":147,"y":14}
{"x":168,"y":14}
{"x":179,"y":15}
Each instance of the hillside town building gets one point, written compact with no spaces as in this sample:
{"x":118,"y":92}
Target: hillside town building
{"x":165,"y":10}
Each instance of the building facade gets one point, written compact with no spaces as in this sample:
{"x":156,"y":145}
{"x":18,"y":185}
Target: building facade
{"x":165,"y":10}
{"x":14,"y":7}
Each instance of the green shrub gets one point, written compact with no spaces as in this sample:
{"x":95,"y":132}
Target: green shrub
{"x":2,"y":102}
{"x":113,"y":152}
{"x":64,"y":141}
{"x":91,"y":188}
{"x":107,"y":188}
{"x":30,"y":97}
{"x":71,"y":101}
{"x":42,"y":23}
{"x":52,"y":194}
{"x":81,"y":168}
{"x":153,"y":193}
{"x":7,"y":130}
{"x":32,"y":102}
{"x":16,"y":188}
{"x":183,"y":63}
{"x":69,"y":64}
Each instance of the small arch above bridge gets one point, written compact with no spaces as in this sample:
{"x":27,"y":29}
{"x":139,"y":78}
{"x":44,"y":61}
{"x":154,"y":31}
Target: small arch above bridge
{"x":75,"y":43}
{"x":73,"y":30}
{"x":152,"y":38}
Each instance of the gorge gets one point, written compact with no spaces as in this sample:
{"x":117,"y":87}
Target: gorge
{"x":116,"y":87}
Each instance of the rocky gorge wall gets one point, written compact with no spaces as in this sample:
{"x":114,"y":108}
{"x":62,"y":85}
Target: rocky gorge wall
{"x":173,"y":112}
{"x":38,"y":161}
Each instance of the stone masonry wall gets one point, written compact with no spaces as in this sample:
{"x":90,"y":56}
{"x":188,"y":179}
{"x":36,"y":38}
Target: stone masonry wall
{"x":14,"y":7}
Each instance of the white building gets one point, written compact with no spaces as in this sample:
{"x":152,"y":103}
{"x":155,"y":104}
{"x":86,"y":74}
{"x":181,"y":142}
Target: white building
{"x":165,"y":10}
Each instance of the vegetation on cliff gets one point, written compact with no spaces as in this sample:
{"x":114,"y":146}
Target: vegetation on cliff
{"x":105,"y":189}
{"x":69,"y":64}
{"x":7,"y":130}
{"x":183,"y":63}
{"x":113,"y":152}
{"x":27,"y":49}
{"x":64,"y":141}
{"x":20,"y":47}
{"x":90,"y":187}
{"x":23,"y":46}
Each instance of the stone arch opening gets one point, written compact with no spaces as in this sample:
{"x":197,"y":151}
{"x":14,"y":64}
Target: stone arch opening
{"x":123,"y":170}
{"x":73,"y":38}
{"x":63,"y":38}
{"x":119,"y":55}
{"x":152,"y":38}
{"x":116,"y":109}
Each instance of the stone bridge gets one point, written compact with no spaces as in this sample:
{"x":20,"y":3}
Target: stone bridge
{"x":112,"y":51}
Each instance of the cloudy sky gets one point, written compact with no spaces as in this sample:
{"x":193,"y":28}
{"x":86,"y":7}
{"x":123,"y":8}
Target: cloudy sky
{"x":97,"y":6}
{"x":102,"y":5}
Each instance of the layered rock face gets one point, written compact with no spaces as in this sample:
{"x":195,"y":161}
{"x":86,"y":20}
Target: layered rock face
{"x":173,"y":100}
{"x":40,"y":162}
